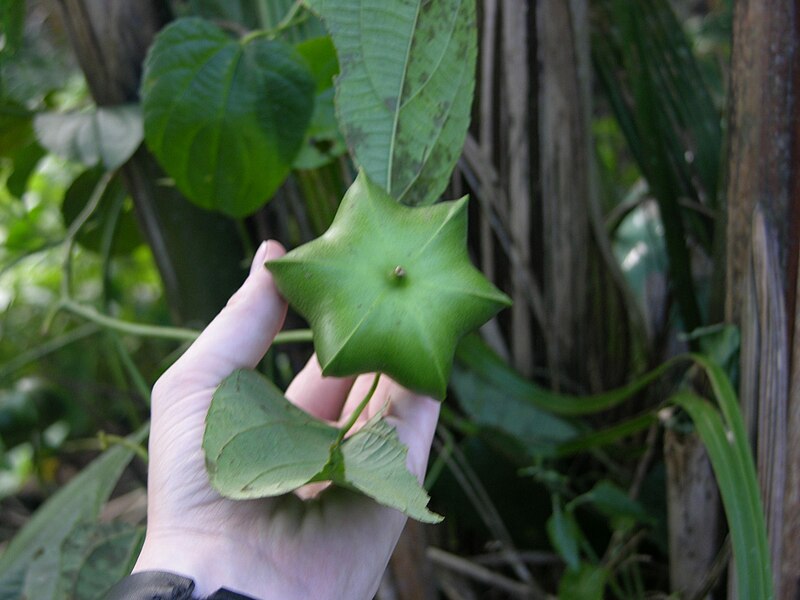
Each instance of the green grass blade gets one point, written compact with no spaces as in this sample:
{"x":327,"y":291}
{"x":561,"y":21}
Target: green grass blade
{"x":736,"y":478}
{"x":607,"y":436}
{"x":475,"y":355}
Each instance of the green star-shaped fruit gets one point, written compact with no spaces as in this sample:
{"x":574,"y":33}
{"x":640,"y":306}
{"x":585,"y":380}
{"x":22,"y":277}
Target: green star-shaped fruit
{"x":389,"y":288}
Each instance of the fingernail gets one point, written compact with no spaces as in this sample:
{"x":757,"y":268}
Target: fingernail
{"x":259,"y":258}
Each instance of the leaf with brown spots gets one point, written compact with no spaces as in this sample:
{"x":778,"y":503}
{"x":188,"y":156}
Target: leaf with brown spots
{"x":405,"y":89}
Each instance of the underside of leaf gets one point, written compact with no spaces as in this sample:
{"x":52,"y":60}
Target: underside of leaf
{"x":258,"y":444}
{"x":405,"y":90}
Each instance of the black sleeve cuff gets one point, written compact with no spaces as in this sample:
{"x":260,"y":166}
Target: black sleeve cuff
{"x":160,"y":585}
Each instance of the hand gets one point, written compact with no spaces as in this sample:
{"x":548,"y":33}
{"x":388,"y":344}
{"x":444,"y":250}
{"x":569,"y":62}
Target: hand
{"x":334,"y":546}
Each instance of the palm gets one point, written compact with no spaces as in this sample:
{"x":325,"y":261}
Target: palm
{"x":331,"y":547}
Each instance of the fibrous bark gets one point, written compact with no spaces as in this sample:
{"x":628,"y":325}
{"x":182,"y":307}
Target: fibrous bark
{"x":763,"y":225}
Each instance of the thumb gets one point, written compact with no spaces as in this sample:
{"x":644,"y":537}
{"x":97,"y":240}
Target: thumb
{"x":243,"y":331}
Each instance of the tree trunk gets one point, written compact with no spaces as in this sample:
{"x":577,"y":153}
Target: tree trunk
{"x":198,"y":253}
{"x":790,"y":563}
{"x":763,"y":225}
{"x":692,"y":512}
{"x":529,"y":162}
{"x":516,"y":68}
{"x":565,"y":159}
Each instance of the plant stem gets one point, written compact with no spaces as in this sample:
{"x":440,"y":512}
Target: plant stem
{"x":48,"y":347}
{"x":294,"y":336}
{"x":133,"y":372}
{"x":75,"y":227}
{"x":103,"y":441}
{"x":108,"y":439}
{"x":443,"y":454}
{"x":154,"y":331}
{"x":264,"y":16}
{"x":13,"y":262}
{"x":158,"y":331}
{"x":357,"y":412}
{"x":289,"y":20}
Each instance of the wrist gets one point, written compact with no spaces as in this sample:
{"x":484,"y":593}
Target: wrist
{"x":213,"y":563}
{"x":152,"y":585}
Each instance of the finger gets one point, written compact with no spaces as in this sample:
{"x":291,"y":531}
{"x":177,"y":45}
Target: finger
{"x":322,"y":397}
{"x":357,"y":394}
{"x":241,"y":333}
{"x":414,"y":417}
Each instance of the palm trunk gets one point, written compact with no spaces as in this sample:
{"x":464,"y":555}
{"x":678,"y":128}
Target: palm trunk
{"x":763,"y":214}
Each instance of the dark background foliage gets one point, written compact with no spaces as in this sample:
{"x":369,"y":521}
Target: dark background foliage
{"x":632,"y":173}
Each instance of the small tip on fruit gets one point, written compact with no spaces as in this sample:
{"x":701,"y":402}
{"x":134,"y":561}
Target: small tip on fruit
{"x":399,"y":272}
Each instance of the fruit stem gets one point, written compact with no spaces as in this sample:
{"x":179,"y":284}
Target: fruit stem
{"x":357,"y":412}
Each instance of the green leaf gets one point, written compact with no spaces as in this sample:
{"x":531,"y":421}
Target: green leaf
{"x":101,"y":135}
{"x":78,"y":501}
{"x":474,"y":354}
{"x":320,"y":56}
{"x":720,"y":343}
{"x":257,"y":444}
{"x":660,"y":99}
{"x":12,"y":24}
{"x":487,"y":405}
{"x":16,"y":129}
{"x":26,"y":231}
{"x":734,"y":470}
{"x":89,"y":562}
{"x":323,"y":141}
{"x":243,"y":12}
{"x":405,"y":90}
{"x":96,"y":556}
{"x":565,"y":534}
{"x":225,"y":117}
{"x":375,"y":465}
{"x":389,"y":288}
{"x":614,"y":503}
{"x":605,"y":437}
{"x":41,"y":577}
{"x":25,"y":160}
{"x":586,"y":583}
{"x":112,"y":207}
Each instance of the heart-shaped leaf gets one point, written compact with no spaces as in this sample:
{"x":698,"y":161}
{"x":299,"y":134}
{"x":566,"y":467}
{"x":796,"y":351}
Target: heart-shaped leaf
{"x":257,"y":444}
{"x":224,"y":117}
{"x":103,"y":135}
{"x":389,"y":288}
{"x":405,"y":90}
